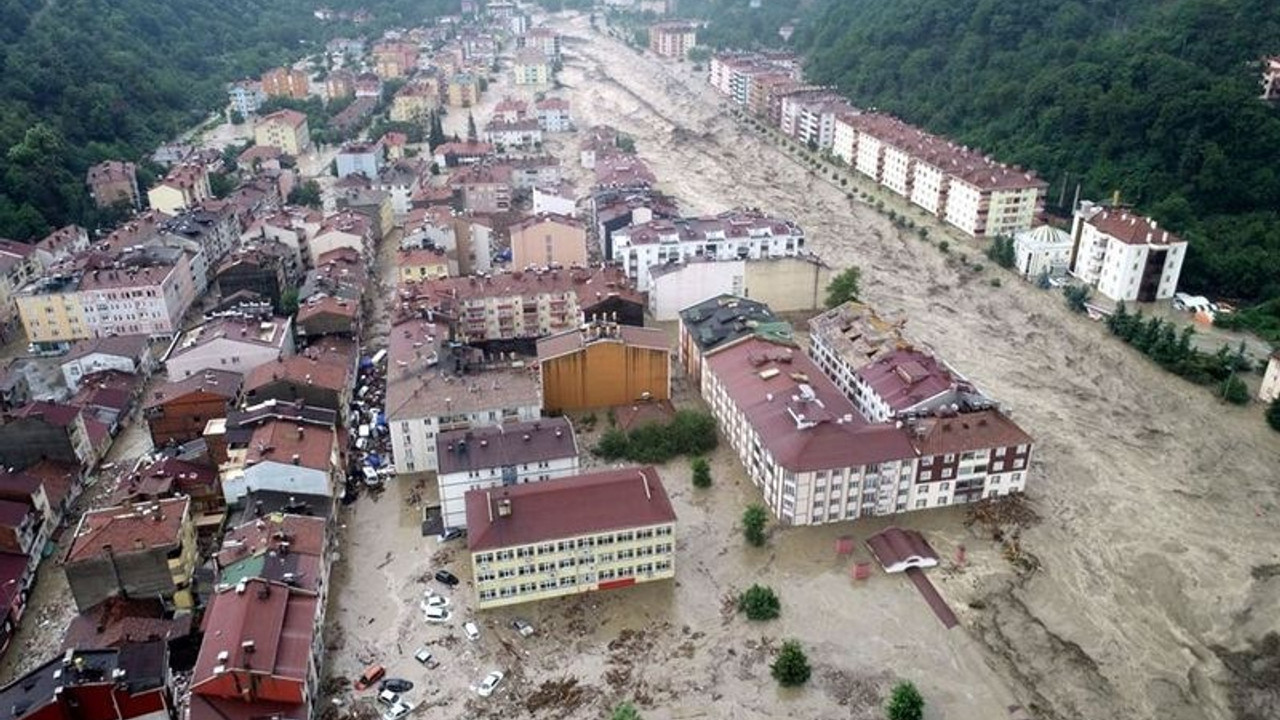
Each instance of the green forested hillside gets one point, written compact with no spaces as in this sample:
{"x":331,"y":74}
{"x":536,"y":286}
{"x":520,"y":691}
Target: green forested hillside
{"x":1154,"y":98}
{"x":86,"y":80}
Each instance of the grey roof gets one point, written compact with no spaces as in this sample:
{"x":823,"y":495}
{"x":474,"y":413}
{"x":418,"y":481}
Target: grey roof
{"x":725,"y":318}
{"x":505,"y":445}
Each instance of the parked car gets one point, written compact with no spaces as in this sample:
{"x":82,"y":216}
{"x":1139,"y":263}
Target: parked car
{"x":489,"y":684}
{"x":522,"y":626}
{"x":396,"y":685}
{"x":438,"y":601}
{"x":425,"y":657}
{"x":388,"y":697}
{"x":446,"y":577}
{"x":437,"y":615}
{"x":472,"y":630}
{"x":397,"y":711}
{"x":451,"y":534}
{"x":370,"y":677}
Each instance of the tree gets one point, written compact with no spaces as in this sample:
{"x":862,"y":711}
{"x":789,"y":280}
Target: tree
{"x":1076,"y":297}
{"x":307,"y":193}
{"x":221,"y":184}
{"x":626,"y":144}
{"x":1001,"y":251}
{"x":701,"y":473}
{"x":791,"y":667}
{"x":1234,"y":391}
{"x":625,"y":711}
{"x":905,"y":703}
{"x":844,"y":287}
{"x":753,"y":522}
{"x":472,"y":135}
{"x":289,"y":301}
{"x":435,"y":136}
{"x":1273,"y":414}
{"x":759,"y":603}
{"x":699,"y":54}
{"x":237,"y":117}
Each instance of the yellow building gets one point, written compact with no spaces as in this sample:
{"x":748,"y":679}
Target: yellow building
{"x":603,"y":364}
{"x":185,"y":186}
{"x":415,"y":102}
{"x":284,"y":129}
{"x":600,"y":531}
{"x":531,"y":68}
{"x":464,"y":90}
{"x":51,"y":311}
{"x":422,"y":264}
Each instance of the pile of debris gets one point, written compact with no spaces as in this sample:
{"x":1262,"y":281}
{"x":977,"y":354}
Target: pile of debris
{"x":563,"y":696}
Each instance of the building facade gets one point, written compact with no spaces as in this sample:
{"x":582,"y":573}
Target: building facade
{"x":284,"y":129}
{"x":673,"y":39}
{"x":525,"y":547}
{"x":546,"y":240}
{"x":786,"y":284}
{"x":1127,"y":257}
{"x":603,"y":364}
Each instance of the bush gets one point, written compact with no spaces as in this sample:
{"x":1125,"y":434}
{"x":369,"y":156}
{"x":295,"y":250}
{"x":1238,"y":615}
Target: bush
{"x":994,"y":282}
{"x":625,"y":711}
{"x":791,"y":667}
{"x":1273,"y":414}
{"x":759,"y":603}
{"x":844,"y":287}
{"x":905,"y":703}
{"x":1234,"y":391}
{"x":1076,"y":296}
{"x":689,"y":433}
{"x":753,"y":522}
{"x":701,"y":473}
{"x":1001,"y":252}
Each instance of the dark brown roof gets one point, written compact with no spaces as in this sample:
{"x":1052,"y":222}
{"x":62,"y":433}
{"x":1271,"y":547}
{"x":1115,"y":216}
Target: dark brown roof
{"x":281,"y":441}
{"x":567,"y":507}
{"x":1132,"y":229}
{"x":300,"y":370}
{"x":967,"y":432}
{"x":116,"y":621}
{"x":898,"y":549}
{"x":905,"y":378}
{"x":216,"y":382}
{"x":505,"y":445}
{"x":572,"y":340}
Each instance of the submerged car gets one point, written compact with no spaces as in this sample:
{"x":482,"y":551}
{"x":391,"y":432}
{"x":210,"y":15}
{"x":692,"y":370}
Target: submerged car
{"x":489,"y":684}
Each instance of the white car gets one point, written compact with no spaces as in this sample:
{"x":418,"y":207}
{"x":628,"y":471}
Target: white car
{"x":472,"y":630}
{"x":397,"y":711}
{"x":489,"y":684}
{"x":435,"y":601}
{"x":437,"y":615}
{"x":425,"y":657}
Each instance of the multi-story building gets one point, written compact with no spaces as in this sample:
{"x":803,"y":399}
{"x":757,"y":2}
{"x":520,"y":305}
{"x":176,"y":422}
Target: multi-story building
{"x":364,"y":158}
{"x":721,"y":322}
{"x":423,"y":402}
{"x":422,"y":264}
{"x":368,"y":85}
{"x":739,"y":75}
{"x":286,"y":82}
{"x":967,"y":457}
{"x":848,"y":337}
{"x":41,"y":431}
{"x":91,"y":685}
{"x":285,"y":129}
{"x":602,"y":365}
{"x":543,"y":39}
{"x":555,"y":200}
{"x":968,"y":190}
{"x":340,"y":84}
{"x":553,"y":115}
{"x":515,"y":308}
{"x":319,"y":377}
{"x":1271,"y":78}
{"x":1126,"y":256}
{"x":786,"y":284}
{"x":526,"y":546}
{"x":185,"y":186}
{"x":546,"y":240}
{"x":246,"y":96}
{"x":238,"y":344}
{"x":112,"y":182}
{"x":498,"y":456}
{"x":515,"y":134}
{"x":531,"y":67}
{"x":178,"y":410}
{"x":133,"y":551}
{"x":292,"y":456}
{"x":909,"y":382}
{"x":484,"y":188}
{"x":732,"y":235}
{"x":414,"y":102}
{"x":348,"y":229}
{"x":673,"y":39}
{"x":124,"y":353}
{"x":19,"y":265}
{"x":464,"y":89}
{"x":393,"y":59}
{"x":810,"y":116}
{"x":262,"y":268}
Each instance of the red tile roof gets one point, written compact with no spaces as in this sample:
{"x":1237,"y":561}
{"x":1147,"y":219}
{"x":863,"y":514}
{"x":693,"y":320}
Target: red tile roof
{"x":58,"y":478}
{"x":305,"y":535}
{"x":128,"y":529}
{"x":327,"y":305}
{"x":116,"y":621}
{"x":292,"y":118}
{"x":1132,"y":229}
{"x":567,"y":507}
{"x":168,"y":476}
{"x":898,"y":549}
{"x":766,"y":382}
{"x":216,"y":382}
{"x":13,"y":513}
{"x":55,"y":414}
{"x":279,"y":623}
{"x":300,"y":370}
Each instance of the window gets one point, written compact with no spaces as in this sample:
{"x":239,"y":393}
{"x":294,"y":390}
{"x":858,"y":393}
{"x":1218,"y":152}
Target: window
{"x":926,"y":461}
{"x":944,"y":487}
{"x":922,"y":503}
{"x":942,"y":501}
{"x":947,"y":473}
{"x":949,"y":458}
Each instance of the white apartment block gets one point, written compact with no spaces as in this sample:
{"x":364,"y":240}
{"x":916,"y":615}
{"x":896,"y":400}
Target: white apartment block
{"x":733,"y":235}
{"x":1127,"y":257}
{"x":498,"y":456}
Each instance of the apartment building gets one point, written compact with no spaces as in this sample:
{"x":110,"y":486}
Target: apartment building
{"x":414,"y":102}
{"x":340,"y":84}
{"x":464,"y":90}
{"x":720,"y":322}
{"x":738,"y":75}
{"x":531,"y":67}
{"x":559,"y":199}
{"x":286,"y":82}
{"x":393,"y":59}
{"x":814,"y":458}
{"x":514,"y":134}
{"x":365,"y":158}
{"x":966,"y":457}
{"x":553,"y":115}
{"x":736,"y":234}
{"x":422,"y":404}
{"x":235,"y":343}
{"x":787,"y":284}
{"x":546,"y":240}
{"x":484,"y":188}
{"x":497,"y":456}
{"x":673,"y":39}
{"x":284,"y":455}
{"x":847,"y":338}
{"x":906,"y":382}
{"x":179,"y":409}
{"x":1126,"y":256}
{"x":423,"y":264}
{"x":809,"y":116}
{"x":112,"y":182}
{"x":87,"y":684}
{"x":572,"y":535}
{"x":140,"y":550}
{"x":968,"y":190}
{"x":603,"y":364}
{"x":284,"y":129}
{"x":185,"y":185}
{"x":543,"y":39}
{"x":19,"y":265}
{"x":524,"y":305}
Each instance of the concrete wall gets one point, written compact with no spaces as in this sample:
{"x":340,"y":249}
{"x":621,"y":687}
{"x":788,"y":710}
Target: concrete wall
{"x":784,"y":284}
{"x":136,"y":574}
